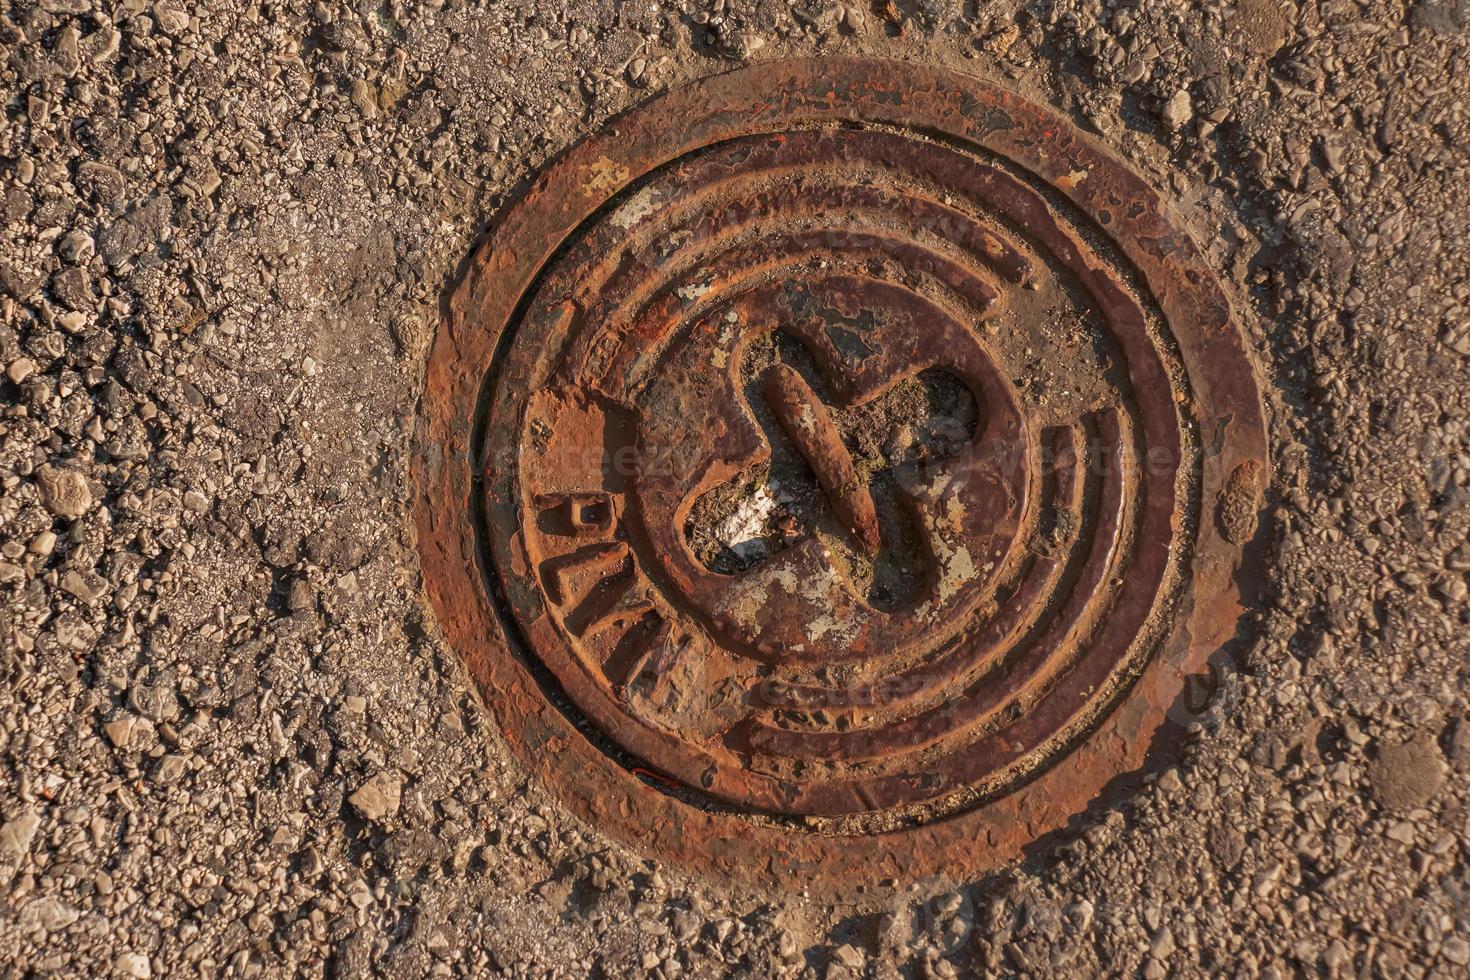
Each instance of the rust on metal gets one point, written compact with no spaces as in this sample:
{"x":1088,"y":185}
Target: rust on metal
{"x":810,"y":426}
{"x":837,"y":472}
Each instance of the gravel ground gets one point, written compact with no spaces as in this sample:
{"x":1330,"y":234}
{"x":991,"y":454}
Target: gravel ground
{"x":231,"y":740}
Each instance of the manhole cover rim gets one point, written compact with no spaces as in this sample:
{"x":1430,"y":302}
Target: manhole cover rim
{"x":761,"y":98}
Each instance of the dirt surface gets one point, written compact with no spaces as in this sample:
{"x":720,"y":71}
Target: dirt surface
{"x":233,"y":741}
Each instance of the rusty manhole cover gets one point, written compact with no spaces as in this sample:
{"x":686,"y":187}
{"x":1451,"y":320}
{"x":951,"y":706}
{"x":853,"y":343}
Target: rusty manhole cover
{"x":837,"y":468}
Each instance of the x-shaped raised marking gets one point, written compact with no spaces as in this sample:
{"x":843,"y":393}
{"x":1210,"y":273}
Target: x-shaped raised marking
{"x":800,"y":603}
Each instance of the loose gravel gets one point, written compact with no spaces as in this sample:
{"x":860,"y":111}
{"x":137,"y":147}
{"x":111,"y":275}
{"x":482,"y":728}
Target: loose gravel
{"x":231,"y":739}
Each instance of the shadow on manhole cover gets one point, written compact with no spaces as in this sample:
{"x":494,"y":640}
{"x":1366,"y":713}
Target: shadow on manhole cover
{"x":837,"y":469}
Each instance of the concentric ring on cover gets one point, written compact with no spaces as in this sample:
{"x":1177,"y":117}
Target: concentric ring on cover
{"x":777,"y":286}
{"x":807,"y":232}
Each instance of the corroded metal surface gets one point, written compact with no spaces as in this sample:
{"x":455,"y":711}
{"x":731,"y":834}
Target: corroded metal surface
{"x":976,"y":408}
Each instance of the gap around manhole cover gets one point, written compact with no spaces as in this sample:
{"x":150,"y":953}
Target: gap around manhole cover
{"x":834,"y":470}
